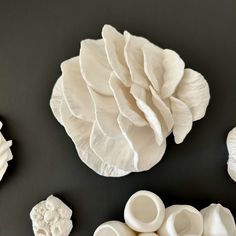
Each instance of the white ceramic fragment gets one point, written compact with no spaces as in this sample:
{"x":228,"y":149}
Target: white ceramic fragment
{"x":120,"y":89}
{"x":51,"y":218}
{"x":147,"y":234}
{"x":5,"y":153}
{"x":144,"y":212}
{"x":218,"y":220}
{"x":231,"y":145}
{"x":114,"y":228}
{"x":182,"y":220}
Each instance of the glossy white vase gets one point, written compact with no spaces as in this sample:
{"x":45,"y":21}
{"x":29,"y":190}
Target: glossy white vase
{"x":144,"y":212}
{"x":182,"y":220}
{"x":114,"y":228}
{"x":218,"y":220}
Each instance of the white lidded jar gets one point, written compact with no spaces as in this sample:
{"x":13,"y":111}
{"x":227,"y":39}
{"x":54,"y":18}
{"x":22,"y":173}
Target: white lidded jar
{"x":114,"y":228}
{"x":144,"y":212}
{"x":182,"y":220}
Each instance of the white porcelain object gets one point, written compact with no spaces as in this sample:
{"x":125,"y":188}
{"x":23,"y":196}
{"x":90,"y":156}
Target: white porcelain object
{"x":182,"y":220}
{"x":51,"y":218}
{"x":120,"y":99}
{"x":147,"y":234}
{"x":144,"y":212}
{"x":5,"y":153}
{"x":231,"y":145}
{"x":218,"y":220}
{"x":114,"y":228}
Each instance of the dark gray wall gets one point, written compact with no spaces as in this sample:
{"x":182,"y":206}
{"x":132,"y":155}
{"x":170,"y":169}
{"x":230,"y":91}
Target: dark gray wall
{"x":36,"y":36}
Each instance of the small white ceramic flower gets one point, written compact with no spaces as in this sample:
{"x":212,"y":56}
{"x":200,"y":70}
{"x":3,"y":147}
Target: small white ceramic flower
{"x":114,"y":228}
{"x":51,"y":218}
{"x":182,"y":220}
{"x":144,"y":212}
{"x":5,"y":153}
{"x":121,"y":98}
{"x":218,"y":221}
{"x":231,"y":145}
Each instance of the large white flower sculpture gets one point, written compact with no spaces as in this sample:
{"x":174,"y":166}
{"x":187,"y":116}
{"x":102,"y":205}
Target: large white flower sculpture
{"x":121,"y":98}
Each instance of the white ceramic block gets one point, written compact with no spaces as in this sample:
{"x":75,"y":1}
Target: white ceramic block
{"x":218,"y":220}
{"x":51,"y":218}
{"x":182,"y":220}
{"x":119,"y":87}
{"x":5,"y":153}
{"x":114,"y":228}
{"x":144,"y":212}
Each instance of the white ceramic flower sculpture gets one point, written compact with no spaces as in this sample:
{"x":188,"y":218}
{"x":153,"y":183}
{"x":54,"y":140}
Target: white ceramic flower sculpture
{"x":51,"y":218}
{"x":182,"y":220}
{"x":5,"y":153}
{"x":218,"y":221}
{"x":231,"y":145}
{"x":121,"y":98}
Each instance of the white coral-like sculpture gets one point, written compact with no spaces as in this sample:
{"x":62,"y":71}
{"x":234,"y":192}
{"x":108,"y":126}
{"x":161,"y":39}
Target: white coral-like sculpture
{"x":5,"y":153}
{"x":51,"y":218}
{"x":121,"y":98}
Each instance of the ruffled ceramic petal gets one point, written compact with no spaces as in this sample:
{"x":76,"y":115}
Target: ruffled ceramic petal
{"x":193,"y":90}
{"x":182,"y":220}
{"x":114,"y":45}
{"x":106,"y":112}
{"x":114,"y":228}
{"x":143,"y":102}
{"x":95,"y":67}
{"x":231,"y":145}
{"x":126,"y":103}
{"x":153,"y":68}
{"x":79,"y":131}
{"x":163,"y":108}
{"x":218,"y":220}
{"x":182,"y":119}
{"x":5,"y":153}
{"x":75,"y":90}
{"x":116,"y":152}
{"x":56,"y":100}
{"x":173,"y":72}
{"x":134,"y":58}
{"x":142,"y":140}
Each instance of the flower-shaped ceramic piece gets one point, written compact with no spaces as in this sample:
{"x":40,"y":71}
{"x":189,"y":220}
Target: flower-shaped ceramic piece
{"x":51,"y":218}
{"x":218,"y":220}
{"x":231,"y":145}
{"x":5,"y":153}
{"x":120,"y":99}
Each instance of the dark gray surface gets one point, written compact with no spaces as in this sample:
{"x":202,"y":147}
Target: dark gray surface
{"x":36,"y":36}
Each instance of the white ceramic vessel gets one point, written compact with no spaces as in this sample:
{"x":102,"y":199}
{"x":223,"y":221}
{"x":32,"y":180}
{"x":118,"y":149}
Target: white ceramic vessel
{"x":5,"y":153}
{"x":144,"y":212}
{"x":114,"y":228}
{"x":51,"y":218}
{"x":147,"y":234}
{"x":120,"y":99}
{"x":182,"y":220}
{"x":218,"y":221}
{"x":231,"y":145}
